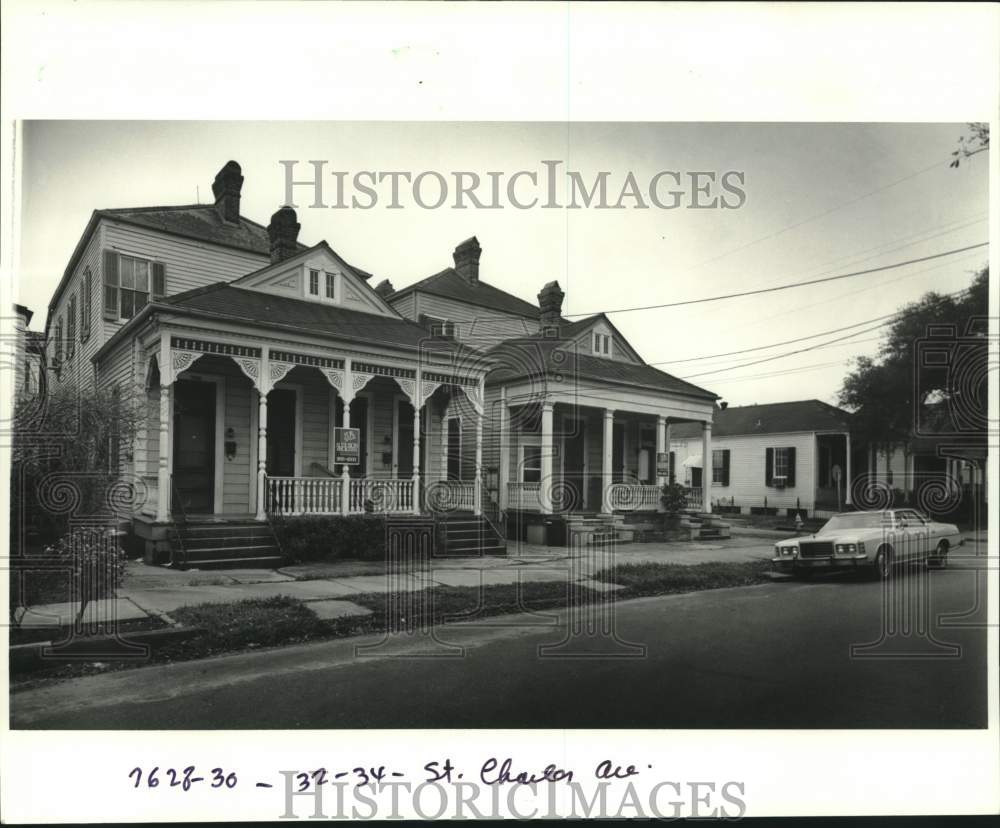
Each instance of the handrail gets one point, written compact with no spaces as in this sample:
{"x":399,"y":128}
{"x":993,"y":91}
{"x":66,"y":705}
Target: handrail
{"x":178,"y":523}
{"x":493,"y":515}
{"x":319,"y":467}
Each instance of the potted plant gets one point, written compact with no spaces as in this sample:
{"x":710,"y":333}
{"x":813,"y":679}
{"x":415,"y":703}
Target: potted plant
{"x":673,"y":498}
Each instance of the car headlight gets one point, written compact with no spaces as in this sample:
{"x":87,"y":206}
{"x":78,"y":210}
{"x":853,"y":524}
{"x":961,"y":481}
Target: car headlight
{"x":791,"y":550}
{"x":846,"y":548}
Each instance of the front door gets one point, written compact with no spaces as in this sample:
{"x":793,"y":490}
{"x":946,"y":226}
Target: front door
{"x":281,"y":433}
{"x":359,"y":420}
{"x":574,"y":481}
{"x":194,"y":447}
{"x":404,"y":446}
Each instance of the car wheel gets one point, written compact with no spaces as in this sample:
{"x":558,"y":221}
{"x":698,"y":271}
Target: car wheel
{"x":938,"y":559}
{"x":882,"y":567}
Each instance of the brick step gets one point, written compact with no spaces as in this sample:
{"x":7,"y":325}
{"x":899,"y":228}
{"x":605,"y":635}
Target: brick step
{"x":223,"y":541}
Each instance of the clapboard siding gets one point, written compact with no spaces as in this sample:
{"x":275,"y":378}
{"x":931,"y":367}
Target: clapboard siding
{"x":475,"y":326}
{"x":747,"y":461}
{"x":237,"y":473}
{"x":187,"y":263}
{"x":78,"y":372}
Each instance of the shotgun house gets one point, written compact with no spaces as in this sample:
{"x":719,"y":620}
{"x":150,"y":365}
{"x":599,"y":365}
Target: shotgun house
{"x":575,"y":418}
{"x":785,"y":457}
{"x":269,"y":376}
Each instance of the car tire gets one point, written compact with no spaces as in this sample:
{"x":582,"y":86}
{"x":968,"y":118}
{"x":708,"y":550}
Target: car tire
{"x":938,"y":559}
{"x":882,"y":567}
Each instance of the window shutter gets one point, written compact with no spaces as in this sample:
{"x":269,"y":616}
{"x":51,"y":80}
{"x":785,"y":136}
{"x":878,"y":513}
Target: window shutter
{"x":111,"y":285}
{"x":159,"y":286}
{"x":791,"y":467}
{"x":769,"y":467}
{"x":671,"y":472}
{"x":725,"y":467}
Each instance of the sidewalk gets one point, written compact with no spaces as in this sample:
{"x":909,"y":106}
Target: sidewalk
{"x":327,"y":587}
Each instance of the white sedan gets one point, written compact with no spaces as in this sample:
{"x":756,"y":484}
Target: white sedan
{"x":869,"y":541}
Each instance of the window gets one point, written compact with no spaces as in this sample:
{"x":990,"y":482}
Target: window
{"x":128,"y":284}
{"x":71,"y":328}
{"x":314,"y":282}
{"x":602,"y":343}
{"x":441,"y":327}
{"x":86,"y":295}
{"x":531,"y":464}
{"x":58,"y":347}
{"x":720,"y":467}
{"x":331,"y":285}
{"x":779,"y":467}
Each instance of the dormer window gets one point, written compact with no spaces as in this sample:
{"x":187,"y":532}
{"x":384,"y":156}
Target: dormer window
{"x":321,"y":284}
{"x":440,"y":328}
{"x":314,"y":282}
{"x":331,"y":285}
{"x":602,"y":344}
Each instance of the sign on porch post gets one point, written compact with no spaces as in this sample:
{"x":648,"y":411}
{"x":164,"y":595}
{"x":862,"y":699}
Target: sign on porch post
{"x":347,"y":446}
{"x":663,"y":464}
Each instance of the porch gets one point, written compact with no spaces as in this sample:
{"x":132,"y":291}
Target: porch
{"x":565,"y":458}
{"x":234,"y":429}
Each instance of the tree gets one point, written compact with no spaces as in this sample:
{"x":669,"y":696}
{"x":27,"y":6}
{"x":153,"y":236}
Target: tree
{"x":897,"y":391}
{"x":977,"y":141}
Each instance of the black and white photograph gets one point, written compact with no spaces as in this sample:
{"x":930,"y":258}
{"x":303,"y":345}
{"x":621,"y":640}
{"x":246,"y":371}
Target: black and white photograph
{"x":360,"y":428}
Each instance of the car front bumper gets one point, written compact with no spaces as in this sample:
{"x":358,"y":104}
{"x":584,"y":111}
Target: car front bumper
{"x":786,"y":563}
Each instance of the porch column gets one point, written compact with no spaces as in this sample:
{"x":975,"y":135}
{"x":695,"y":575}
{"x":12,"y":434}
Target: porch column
{"x":504,"y":437}
{"x":672,"y":473}
{"x":477,"y":494}
{"x":166,"y":456}
{"x":706,"y":463}
{"x":444,"y":441}
{"x":847,"y":464}
{"x":661,"y":442}
{"x":608,"y":455}
{"x":416,"y":460}
{"x":545,"y":489}
{"x":261,"y":455}
{"x":345,"y":477}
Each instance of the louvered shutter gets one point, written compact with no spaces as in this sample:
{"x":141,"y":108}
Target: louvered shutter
{"x":672,"y":469}
{"x":159,"y":286}
{"x":790,"y":481}
{"x":111,"y":285}
{"x":769,"y":467}
{"x":725,"y":467}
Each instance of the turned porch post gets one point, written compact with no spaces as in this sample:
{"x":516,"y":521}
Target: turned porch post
{"x":345,"y":477}
{"x":706,"y":463}
{"x":661,"y":446}
{"x":504,"y":436}
{"x":261,"y":454}
{"x":545,"y":488}
{"x":607,"y":459}
{"x":166,"y":452}
{"x":477,"y":495}
{"x":416,"y":459}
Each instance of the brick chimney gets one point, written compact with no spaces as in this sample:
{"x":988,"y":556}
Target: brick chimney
{"x":226,"y":189}
{"x":385,"y":289}
{"x":550,"y":299}
{"x":466,"y":258}
{"x":283,"y":232}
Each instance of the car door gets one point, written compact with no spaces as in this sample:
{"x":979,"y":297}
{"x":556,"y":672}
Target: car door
{"x":918,"y":531}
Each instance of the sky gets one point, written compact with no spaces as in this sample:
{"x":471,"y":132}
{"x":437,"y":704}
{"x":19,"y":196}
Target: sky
{"x":821,"y":200}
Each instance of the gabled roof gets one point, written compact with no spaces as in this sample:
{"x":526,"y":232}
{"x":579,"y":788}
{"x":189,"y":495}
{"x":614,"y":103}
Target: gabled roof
{"x":532,"y":356}
{"x":449,"y":284}
{"x":226,"y":300}
{"x":771,"y":418}
{"x":571,"y":330}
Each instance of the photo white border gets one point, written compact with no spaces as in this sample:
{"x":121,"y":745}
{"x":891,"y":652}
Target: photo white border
{"x":504,"y":62}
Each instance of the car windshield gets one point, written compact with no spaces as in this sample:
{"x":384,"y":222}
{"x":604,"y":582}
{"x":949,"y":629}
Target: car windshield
{"x":858,"y":520}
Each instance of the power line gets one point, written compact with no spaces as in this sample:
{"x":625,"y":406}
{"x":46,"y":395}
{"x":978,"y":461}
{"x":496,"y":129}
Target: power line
{"x":889,"y":316}
{"x":792,"y":284}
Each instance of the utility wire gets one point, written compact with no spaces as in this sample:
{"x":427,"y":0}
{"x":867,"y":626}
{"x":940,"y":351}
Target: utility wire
{"x":775,"y":288}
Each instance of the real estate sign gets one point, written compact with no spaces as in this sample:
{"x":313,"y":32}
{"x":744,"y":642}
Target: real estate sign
{"x":662,"y":463}
{"x":347,"y":446}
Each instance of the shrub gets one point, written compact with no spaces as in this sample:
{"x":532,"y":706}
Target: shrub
{"x":332,"y":537}
{"x":674,"y":499}
{"x":84,"y":565}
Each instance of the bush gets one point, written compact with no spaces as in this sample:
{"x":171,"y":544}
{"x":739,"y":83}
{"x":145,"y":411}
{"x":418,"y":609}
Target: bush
{"x":674,"y":499}
{"x":84,"y":565}
{"x":332,"y":537}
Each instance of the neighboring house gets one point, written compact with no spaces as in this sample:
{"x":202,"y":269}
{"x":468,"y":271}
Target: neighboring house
{"x":246,"y":350}
{"x":790,"y":456}
{"x":28,"y":356}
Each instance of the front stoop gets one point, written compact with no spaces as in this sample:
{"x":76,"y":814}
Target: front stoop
{"x":465,"y":534}
{"x":704,"y":526}
{"x":223,"y":542}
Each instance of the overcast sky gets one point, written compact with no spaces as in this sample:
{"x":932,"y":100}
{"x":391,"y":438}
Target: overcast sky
{"x":821,"y":199}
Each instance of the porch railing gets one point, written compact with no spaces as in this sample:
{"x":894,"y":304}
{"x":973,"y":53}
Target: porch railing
{"x":634,"y":497}
{"x":524,"y":496}
{"x":451,"y":496}
{"x":694,"y":498}
{"x":303,"y":495}
{"x":389,"y":495}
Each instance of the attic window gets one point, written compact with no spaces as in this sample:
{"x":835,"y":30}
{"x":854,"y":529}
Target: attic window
{"x":602,"y":344}
{"x":314,"y":282}
{"x":441,"y":328}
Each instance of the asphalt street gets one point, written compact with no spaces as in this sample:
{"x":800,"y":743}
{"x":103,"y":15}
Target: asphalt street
{"x":833,"y":653}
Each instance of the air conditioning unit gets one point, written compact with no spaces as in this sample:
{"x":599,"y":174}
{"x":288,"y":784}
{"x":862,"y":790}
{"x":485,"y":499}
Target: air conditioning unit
{"x":779,"y":481}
